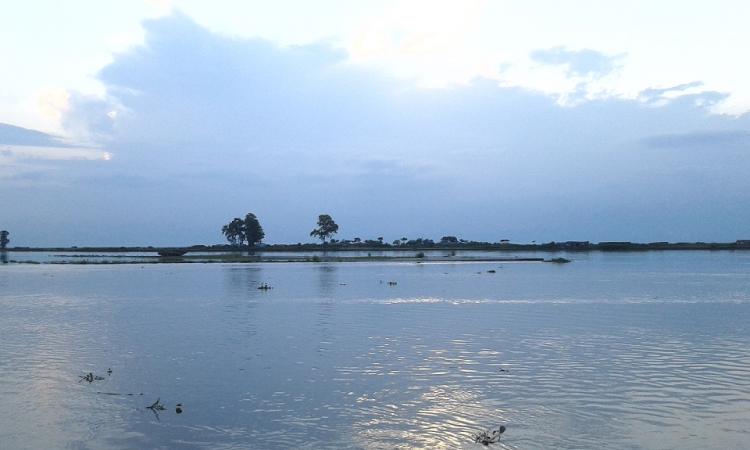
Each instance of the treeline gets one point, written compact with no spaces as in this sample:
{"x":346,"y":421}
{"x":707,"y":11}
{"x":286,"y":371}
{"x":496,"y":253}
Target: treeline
{"x":424,"y":244}
{"x":249,"y":230}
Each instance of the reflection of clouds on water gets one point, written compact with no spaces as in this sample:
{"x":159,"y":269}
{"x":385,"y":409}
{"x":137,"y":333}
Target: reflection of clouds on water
{"x":50,"y":337}
{"x":313,"y":364}
{"x":424,"y":390}
{"x":556,"y":375}
{"x":440,"y":416}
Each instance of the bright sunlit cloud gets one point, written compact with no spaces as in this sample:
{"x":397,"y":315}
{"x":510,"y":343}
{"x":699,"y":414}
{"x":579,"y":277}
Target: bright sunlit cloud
{"x":53,"y":103}
{"x":435,"y":44}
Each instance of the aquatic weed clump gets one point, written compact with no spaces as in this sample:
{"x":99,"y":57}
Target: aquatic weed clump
{"x":489,"y":437}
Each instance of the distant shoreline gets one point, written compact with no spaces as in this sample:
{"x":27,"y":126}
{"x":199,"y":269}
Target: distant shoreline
{"x":550,"y":247}
{"x":233,"y":258}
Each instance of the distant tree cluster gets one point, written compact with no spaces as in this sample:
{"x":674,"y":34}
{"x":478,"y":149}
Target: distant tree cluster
{"x":4,"y":239}
{"x":239,"y":231}
{"x":248,"y":231}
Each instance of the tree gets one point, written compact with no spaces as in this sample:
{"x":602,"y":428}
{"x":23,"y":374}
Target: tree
{"x":4,"y":239}
{"x":448,"y":240}
{"x":252,"y":229}
{"x":234,"y":231}
{"x":326,"y":228}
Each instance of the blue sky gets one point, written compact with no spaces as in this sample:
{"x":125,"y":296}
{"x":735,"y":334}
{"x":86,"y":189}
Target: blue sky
{"x":156,"y":122}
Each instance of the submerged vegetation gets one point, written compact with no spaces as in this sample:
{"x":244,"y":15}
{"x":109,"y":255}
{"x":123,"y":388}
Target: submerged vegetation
{"x":489,"y":436}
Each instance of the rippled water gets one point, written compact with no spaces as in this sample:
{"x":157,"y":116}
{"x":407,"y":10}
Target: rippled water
{"x":648,"y":350}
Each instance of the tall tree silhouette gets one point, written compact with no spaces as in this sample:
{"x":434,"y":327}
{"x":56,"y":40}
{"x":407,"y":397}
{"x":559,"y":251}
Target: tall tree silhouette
{"x":326,"y":228}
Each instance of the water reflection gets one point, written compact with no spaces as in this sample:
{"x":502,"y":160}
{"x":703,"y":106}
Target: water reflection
{"x":243,"y":280}
{"x":241,"y":299}
{"x":327,"y":283}
{"x":327,"y":279}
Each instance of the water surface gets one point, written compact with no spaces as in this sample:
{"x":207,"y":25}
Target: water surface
{"x":643,"y":350}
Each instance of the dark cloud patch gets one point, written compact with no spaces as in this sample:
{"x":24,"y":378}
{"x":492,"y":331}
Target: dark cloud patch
{"x":13,"y":135}
{"x":584,"y":62}
{"x":191,"y":80}
{"x":90,"y":117}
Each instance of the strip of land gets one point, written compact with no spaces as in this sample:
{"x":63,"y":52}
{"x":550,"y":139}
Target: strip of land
{"x":249,"y":258}
{"x":375,"y":246}
{"x":415,"y":251}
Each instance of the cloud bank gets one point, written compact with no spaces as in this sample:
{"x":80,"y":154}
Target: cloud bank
{"x":204,"y":127}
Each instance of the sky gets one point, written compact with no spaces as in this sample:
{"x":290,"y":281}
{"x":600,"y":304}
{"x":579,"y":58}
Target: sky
{"x":156,"y":122}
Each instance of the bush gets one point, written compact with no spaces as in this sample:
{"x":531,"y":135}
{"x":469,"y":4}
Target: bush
{"x":420,"y":255}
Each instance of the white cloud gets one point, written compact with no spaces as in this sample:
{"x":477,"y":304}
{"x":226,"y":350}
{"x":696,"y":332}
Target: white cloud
{"x":666,"y":43}
{"x":434,"y":42}
{"x":52,"y":103}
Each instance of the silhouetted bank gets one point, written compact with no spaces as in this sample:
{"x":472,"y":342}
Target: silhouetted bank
{"x":417,"y":245}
